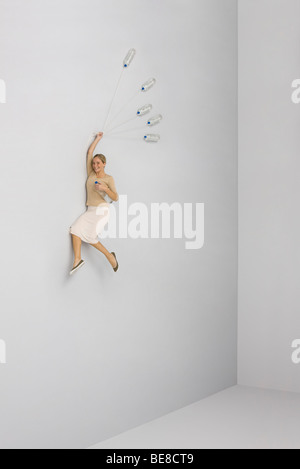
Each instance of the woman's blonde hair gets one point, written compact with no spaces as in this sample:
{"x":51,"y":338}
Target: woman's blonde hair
{"x":101,"y":157}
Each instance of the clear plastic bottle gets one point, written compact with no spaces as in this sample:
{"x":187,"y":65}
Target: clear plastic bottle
{"x":144,"y":110}
{"x":129,"y":58}
{"x":104,"y":195}
{"x":152,"y":138}
{"x":148,"y":85}
{"x":154,"y":120}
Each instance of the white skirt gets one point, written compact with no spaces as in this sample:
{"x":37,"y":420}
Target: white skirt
{"x":90,"y":224}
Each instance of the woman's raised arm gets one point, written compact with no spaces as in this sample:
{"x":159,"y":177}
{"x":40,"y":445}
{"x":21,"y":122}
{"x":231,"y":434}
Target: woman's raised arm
{"x":91,"y":150}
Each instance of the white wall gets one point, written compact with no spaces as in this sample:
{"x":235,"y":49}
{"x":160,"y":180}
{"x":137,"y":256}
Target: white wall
{"x":269,"y":193}
{"x":97,"y":354}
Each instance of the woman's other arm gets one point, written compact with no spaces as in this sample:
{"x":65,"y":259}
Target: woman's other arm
{"x":110,"y":189}
{"x":91,"y":150}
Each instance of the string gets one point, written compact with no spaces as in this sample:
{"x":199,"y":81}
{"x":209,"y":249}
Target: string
{"x":129,"y":130}
{"x":122,"y":109}
{"x":124,"y":138}
{"x":123,"y":123}
{"x":112,"y":101}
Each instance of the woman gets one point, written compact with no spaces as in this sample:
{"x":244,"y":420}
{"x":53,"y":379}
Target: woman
{"x":89,"y":225}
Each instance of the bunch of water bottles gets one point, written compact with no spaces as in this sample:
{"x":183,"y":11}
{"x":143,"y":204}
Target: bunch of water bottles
{"x":142,"y":111}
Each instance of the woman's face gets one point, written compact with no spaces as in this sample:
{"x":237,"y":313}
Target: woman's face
{"x":98,"y":165}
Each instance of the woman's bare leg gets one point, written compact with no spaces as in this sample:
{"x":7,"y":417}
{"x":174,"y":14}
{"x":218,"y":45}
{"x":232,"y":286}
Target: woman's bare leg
{"x":110,"y":257}
{"x":77,"y":249}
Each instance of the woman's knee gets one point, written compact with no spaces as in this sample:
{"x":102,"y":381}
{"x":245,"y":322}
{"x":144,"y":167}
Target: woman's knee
{"x":76,"y":237}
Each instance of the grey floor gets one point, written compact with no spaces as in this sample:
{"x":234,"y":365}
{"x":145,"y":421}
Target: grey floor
{"x":238,"y":418}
